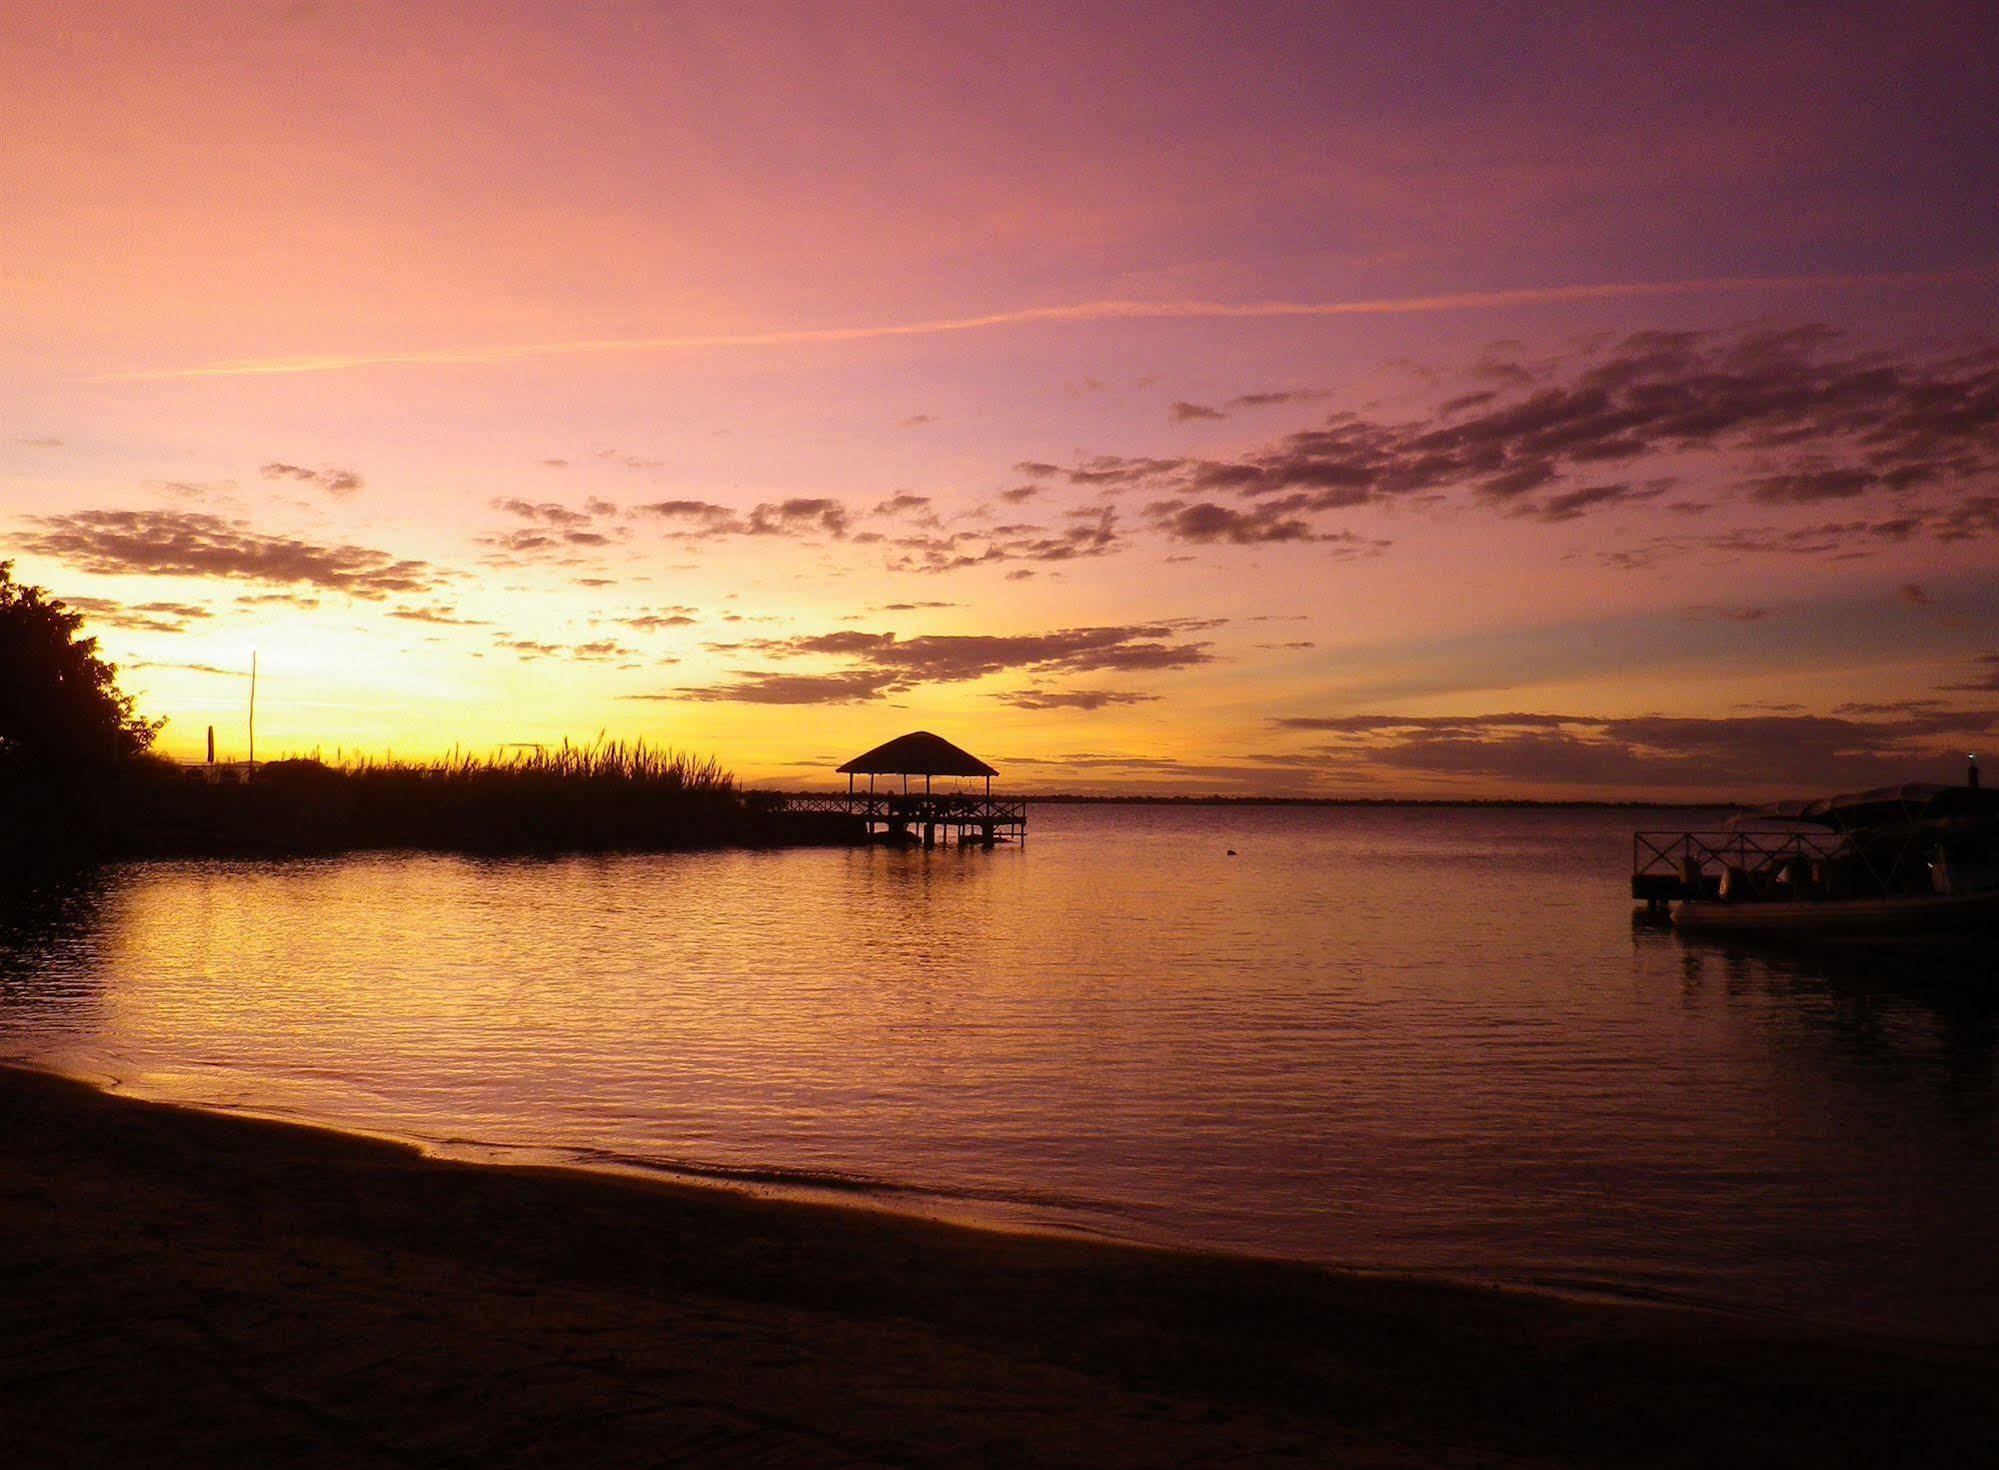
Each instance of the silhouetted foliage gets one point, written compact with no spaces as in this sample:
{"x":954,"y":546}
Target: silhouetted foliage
{"x":73,"y":787}
{"x":609,"y":795}
{"x":63,"y":711}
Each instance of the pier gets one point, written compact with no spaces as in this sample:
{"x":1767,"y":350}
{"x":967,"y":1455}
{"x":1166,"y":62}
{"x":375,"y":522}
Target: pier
{"x":1917,"y":837}
{"x":905,"y":815}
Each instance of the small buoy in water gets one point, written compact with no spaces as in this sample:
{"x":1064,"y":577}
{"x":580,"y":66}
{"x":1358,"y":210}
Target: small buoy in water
{"x":1231,"y":852}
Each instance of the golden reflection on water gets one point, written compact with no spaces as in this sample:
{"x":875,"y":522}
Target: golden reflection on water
{"x":1417,"y":1040}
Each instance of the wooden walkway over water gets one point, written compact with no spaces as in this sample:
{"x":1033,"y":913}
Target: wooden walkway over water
{"x":909,"y":818}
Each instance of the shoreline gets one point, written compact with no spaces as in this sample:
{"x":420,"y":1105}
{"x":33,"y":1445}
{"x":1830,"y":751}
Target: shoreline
{"x":1003,"y":1214}
{"x":193,"y":1282}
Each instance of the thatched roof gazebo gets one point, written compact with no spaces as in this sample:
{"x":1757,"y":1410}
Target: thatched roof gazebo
{"x":918,"y":753}
{"x":921,"y":753}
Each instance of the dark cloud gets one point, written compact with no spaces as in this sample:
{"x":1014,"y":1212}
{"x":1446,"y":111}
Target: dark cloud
{"x":773,"y":688}
{"x":1273,"y":397}
{"x":547,"y":513}
{"x":138,"y":617}
{"x":559,"y":533}
{"x":37,"y":443}
{"x":1914,"y":595}
{"x":1020,"y":493}
{"x":533,"y":543}
{"x":273,"y":599}
{"x":442,"y":615}
{"x":917,"y":421}
{"x":881,"y":663}
{"x":1836,"y":540}
{"x":1571,"y":504}
{"x":1374,"y":724}
{"x":1737,"y":753}
{"x":1268,"y":521}
{"x":529,"y":648}
{"x":653,"y":622}
{"x":1882,"y":707}
{"x":1727,"y":614}
{"x":597,"y":650}
{"x":1182,"y":411}
{"x":1092,"y":532}
{"x":1812,"y":417}
{"x":191,"y":544}
{"x":698,"y":517}
{"x":1984,"y":682}
{"x":1808,"y":487}
{"x":332,"y":481}
{"x":1976,"y":516}
{"x":953,"y":656}
{"x":704,"y":520}
{"x":1083,"y":699}
{"x":915,"y":506}
{"x":800,"y":515}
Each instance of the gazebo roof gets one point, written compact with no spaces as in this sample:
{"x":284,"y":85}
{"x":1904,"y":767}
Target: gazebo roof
{"x":918,"y":753}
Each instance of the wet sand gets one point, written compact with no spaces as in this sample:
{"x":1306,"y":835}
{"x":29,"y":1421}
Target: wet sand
{"x":182,"y":1288}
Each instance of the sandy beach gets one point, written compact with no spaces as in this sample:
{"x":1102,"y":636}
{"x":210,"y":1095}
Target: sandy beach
{"x":186,"y":1288}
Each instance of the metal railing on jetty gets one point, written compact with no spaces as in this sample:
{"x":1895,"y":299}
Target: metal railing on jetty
{"x":915,"y":817}
{"x":1670,"y":865}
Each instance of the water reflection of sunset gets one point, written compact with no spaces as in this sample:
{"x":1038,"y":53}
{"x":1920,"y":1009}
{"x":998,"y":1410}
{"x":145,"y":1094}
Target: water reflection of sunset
{"x":1119,"y":1029}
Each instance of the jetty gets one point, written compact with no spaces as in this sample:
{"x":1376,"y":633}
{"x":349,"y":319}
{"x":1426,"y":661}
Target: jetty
{"x":1908,"y":860}
{"x":904,"y":814}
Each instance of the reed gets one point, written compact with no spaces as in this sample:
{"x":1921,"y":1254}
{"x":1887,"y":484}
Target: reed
{"x":606,"y":795}
{"x":614,"y":765}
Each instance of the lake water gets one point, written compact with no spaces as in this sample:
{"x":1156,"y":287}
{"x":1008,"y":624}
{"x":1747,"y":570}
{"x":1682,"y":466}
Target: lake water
{"x":1415,"y":1040}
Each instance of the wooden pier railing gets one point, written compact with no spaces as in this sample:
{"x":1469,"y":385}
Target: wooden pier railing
{"x":915,"y":817}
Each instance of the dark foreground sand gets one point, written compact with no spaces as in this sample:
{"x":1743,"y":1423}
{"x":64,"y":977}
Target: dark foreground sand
{"x":181,"y":1289}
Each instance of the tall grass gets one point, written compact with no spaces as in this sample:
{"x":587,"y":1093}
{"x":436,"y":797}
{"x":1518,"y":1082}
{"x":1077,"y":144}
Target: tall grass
{"x":609,"y":794}
{"x":616,"y":765}
{"x":604,"y":796}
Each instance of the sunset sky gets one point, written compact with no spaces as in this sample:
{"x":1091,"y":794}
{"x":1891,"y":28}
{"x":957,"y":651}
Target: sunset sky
{"x":1378,"y":400}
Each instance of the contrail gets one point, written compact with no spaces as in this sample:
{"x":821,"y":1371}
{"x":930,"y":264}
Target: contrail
{"x":1112,"y":310}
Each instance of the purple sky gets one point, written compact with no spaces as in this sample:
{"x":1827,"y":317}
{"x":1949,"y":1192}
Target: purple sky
{"x":1380,"y":400}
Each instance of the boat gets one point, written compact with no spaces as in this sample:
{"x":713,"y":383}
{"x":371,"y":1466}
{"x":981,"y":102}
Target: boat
{"x":1918,"y":860}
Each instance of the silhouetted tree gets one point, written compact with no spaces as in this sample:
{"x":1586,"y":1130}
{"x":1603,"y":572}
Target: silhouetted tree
{"x":60,"y":705}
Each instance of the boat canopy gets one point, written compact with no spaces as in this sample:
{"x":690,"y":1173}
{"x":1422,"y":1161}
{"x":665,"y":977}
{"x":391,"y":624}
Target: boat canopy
{"x":1915,"y":801}
{"x":918,"y":754}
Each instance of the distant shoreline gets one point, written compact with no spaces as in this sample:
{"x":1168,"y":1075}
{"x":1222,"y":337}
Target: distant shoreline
{"x":1077,"y":798}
